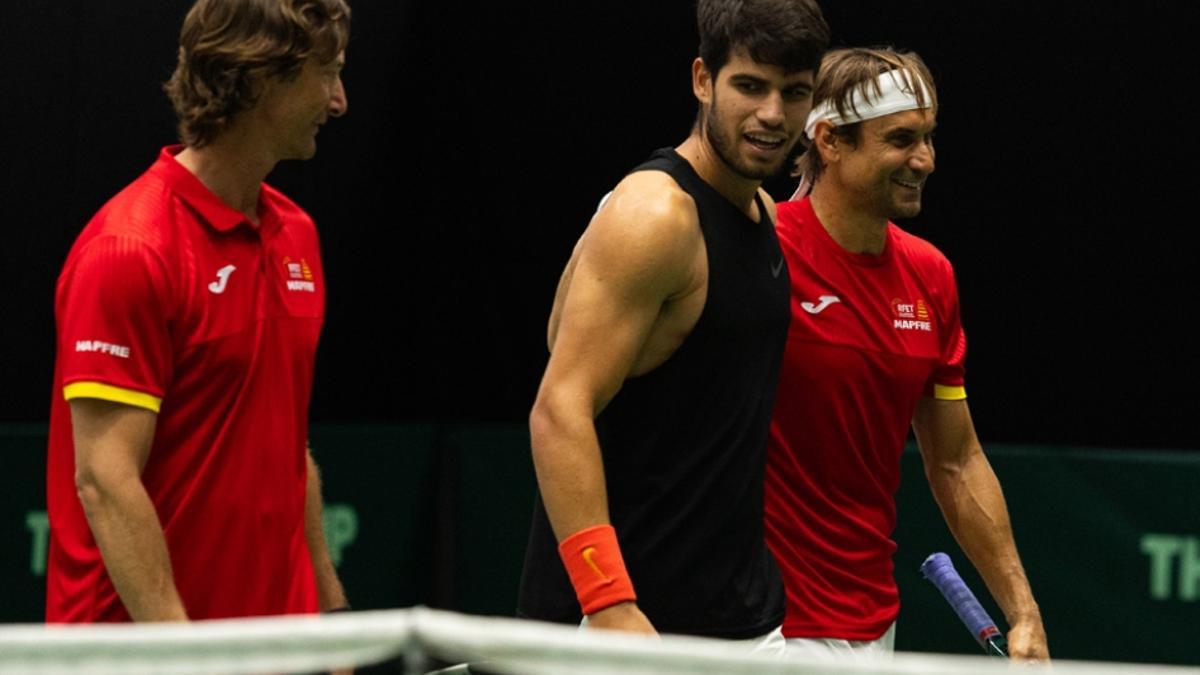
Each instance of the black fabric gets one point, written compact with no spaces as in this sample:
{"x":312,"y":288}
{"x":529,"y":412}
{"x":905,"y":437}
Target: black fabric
{"x":684,"y":447}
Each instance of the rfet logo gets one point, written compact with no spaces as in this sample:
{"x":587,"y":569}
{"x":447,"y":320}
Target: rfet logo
{"x":298,"y":270}
{"x":299,"y":275}
{"x":911,"y":315}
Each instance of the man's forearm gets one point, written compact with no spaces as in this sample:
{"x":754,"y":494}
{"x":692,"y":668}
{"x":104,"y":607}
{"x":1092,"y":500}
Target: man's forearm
{"x":130,"y":536}
{"x":570,"y":472}
{"x":973,"y":504}
{"x":969,"y":495}
{"x":330,"y":594}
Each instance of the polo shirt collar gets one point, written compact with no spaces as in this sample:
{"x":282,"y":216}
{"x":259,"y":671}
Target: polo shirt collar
{"x":219,"y":215}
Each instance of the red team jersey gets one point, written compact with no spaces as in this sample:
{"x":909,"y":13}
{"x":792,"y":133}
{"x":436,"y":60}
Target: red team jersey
{"x":171,"y":301}
{"x":870,"y":335}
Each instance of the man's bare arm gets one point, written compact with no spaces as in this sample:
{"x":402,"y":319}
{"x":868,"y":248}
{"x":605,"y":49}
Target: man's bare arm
{"x":635,"y":256}
{"x":112,"y":444}
{"x":969,"y":495}
{"x":330,"y":594}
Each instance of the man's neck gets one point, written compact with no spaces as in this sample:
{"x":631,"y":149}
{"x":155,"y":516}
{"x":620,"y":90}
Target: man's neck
{"x":233,"y":170}
{"x":708,"y":164}
{"x":845,"y":221}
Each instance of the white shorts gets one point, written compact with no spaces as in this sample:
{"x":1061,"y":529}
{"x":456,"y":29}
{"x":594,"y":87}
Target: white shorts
{"x":771,"y":644}
{"x":834,"y":649}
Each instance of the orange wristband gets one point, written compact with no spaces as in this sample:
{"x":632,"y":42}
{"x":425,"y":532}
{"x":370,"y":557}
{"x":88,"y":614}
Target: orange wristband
{"x":593,"y":561}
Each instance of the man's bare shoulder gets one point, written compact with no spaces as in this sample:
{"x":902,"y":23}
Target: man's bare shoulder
{"x":642,"y":245}
{"x":644,"y":241}
{"x":647,"y":210}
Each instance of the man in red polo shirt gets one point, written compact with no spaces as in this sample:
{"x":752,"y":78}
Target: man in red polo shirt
{"x":875,"y":346}
{"x":179,"y":481}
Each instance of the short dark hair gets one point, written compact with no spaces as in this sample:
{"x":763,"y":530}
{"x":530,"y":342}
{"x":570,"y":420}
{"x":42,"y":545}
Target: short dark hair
{"x":787,"y":33}
{"x":228,"y":48}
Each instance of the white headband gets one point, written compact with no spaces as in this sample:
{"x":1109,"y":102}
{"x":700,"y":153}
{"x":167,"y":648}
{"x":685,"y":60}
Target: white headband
{"x":895,"y":95}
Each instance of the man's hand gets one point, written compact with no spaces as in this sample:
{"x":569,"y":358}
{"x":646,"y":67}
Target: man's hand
{"x":1027,"y":641}
{"x":622,"y":616}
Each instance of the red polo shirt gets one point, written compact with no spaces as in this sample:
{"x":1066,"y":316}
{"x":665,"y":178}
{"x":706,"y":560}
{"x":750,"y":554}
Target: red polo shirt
{"x":170,"y":300}
{"x":870,"y":335}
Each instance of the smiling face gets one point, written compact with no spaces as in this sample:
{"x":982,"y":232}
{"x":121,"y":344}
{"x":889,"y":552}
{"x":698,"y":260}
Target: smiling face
{"x":294,"y":109}
{"x":753,"y":113}
{"x":886,"y":169}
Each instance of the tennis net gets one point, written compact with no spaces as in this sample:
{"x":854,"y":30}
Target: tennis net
{"x":420,"y":639}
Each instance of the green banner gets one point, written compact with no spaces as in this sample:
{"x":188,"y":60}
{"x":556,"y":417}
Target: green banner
{"x":1110,"y":541}
{"x":439,"y":516}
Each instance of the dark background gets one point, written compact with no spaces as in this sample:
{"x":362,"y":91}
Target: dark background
{"x":479,"y":139}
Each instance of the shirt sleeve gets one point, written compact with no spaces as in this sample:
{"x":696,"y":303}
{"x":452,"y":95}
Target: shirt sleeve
{"x":112,"y":309}
{"x":947,"y":381}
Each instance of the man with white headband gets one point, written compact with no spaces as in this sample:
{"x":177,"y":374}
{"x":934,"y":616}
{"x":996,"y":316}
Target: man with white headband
{"x":875,"y":345}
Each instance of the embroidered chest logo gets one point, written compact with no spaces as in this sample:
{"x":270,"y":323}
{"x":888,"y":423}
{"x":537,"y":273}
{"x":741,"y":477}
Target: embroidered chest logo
{"x":825,"y":301}
{"x":299,"y":276}
{"x":218,"y":287}
{"x":911,"y":315}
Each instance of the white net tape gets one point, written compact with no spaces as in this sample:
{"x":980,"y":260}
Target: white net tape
{"x":306,"y":644}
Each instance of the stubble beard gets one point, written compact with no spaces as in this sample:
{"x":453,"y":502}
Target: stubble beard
{"x":900,"y":209}
{"x":723,"y":145}
{"x":906,"y":211}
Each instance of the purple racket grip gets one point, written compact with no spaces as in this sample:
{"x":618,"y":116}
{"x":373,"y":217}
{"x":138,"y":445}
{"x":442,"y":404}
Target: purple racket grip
{"x":938,"y":569}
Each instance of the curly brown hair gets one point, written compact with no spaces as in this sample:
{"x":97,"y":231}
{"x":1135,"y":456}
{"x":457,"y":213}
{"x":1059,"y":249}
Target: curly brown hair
{"x":229,"y":48}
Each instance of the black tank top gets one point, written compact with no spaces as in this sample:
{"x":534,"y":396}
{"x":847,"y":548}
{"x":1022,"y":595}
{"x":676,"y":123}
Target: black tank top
{"x":684,"y":447}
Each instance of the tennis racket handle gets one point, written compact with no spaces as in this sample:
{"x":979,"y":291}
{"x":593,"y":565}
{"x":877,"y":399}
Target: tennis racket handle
{"x":938,"y":569}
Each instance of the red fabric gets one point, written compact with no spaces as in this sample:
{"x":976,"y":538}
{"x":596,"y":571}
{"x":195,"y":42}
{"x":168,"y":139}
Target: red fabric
{"x":593,"y":560}
{"x":853,"y":371}
{"x":227,"y":468}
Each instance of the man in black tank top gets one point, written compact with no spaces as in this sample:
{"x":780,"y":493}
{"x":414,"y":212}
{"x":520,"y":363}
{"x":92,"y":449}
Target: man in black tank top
{"x":649,"y":429}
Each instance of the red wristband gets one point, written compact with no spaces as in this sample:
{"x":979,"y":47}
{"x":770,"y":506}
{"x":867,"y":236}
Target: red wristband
{"x":593,"y":561}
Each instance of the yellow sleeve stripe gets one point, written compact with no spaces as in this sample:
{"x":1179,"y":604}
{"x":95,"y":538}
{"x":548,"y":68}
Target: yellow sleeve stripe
{"x":106,"y":392}
{"x":943,"y":393}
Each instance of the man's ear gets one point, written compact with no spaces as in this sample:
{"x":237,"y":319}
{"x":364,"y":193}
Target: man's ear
{"x":702,"y":81}
{"x":830,"y":145}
